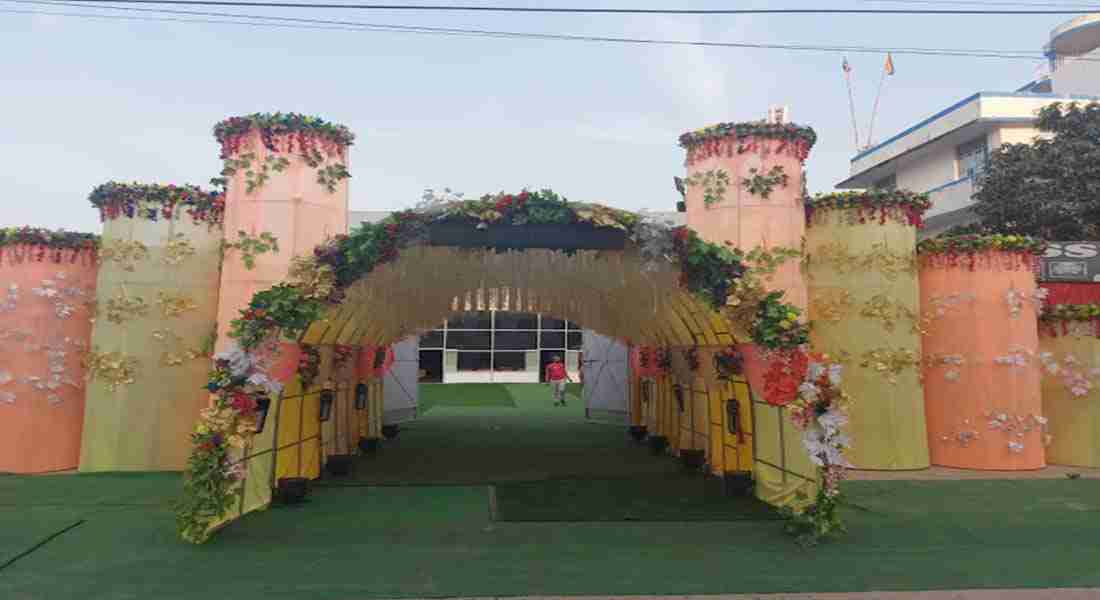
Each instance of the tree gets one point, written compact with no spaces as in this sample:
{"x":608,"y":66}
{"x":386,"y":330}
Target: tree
{"x":1049,"y":188}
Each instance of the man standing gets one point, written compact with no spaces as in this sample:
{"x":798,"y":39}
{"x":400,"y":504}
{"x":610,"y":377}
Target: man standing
{"x":557,"y":377}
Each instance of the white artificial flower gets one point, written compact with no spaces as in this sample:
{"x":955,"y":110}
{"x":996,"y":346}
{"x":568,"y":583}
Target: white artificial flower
{"x":832,"y":421}
{"x":815,"y":370}
{"x":808,"y":391}
{"x":834,"y":373}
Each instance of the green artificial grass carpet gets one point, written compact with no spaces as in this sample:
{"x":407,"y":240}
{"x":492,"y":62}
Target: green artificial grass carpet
{"x":357,"y":543}
{"x":464,"y":395}
{"x":671,"y":498}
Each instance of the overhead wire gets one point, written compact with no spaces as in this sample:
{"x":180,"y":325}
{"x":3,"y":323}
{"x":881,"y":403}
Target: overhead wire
{"x":329,"y":24}
{"x":617,"y":11}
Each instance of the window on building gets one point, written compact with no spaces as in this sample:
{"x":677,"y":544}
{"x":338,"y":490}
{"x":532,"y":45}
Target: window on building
{"x":972,"y":157}
{"x":889,"y":182}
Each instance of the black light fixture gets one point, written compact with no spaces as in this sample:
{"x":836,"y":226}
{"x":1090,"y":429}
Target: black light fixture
{"x":262,"y":406}
{"x":678,"y":390}
{"x":360,"y":396}
{"x":327,"y":398}
{"x":732,"y":410}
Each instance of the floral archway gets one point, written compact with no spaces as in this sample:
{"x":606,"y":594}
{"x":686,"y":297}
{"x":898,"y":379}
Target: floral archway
{"x":612,"y":269}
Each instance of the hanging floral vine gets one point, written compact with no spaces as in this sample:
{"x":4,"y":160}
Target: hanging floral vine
{"x":318,"y":143}
{"x":762,"y":184}
{"x":714,"y":183}
{"x":250,"y":246}
{"x":155,"y":201}
{"x":1010,"y":252}
{"x":726,"y":139}
{"x":900,"y":206}
{"x":21,"y":244}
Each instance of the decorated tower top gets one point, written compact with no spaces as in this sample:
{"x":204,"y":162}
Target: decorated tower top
{"x":154,"y":201}
{"x":727,"y":138}
{"x":283,"y":132}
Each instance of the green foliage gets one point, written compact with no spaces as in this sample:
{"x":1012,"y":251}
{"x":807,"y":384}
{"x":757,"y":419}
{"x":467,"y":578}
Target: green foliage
{"x":816,"y":523}
{"x":762,"y":185}
{"x":1049,"y":188}
{"x":281,"y":308}
{"x":330,"y":175}
{"x":777,"y":325}
{"x":209,"y":491}
{"x":714,"y":182}
{"x":255,"y":176}
{"x":251,"y":246}
{"x":976,"y":244}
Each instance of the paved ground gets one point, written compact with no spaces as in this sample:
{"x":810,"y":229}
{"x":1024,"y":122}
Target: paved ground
{"x":1055,"y":594}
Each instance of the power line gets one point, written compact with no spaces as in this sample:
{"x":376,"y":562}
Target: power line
{"x":305,"y":23}
{"x":340,"y":25}
{"x":617,"y":11}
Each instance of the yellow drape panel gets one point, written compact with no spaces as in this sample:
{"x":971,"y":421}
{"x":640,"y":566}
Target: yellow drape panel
{"x":782,"y":470}
{"x":857,"y":274}
{"x":146,"y":425}
{"x":1073,"y":421}
{"x":298,"y":431}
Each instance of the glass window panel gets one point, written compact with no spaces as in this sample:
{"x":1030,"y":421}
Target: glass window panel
{"x":972,"y":157}
{"x":572,"y":325}
{"x":474,"y":361}
{"x":509,"y":361}
{"x":552,"y":323}
{"x":432,"y":339}
{"x":553,"y":339}
{"x":515,"y":340}
{"x":576,"y":339}
{"x":468,"y":340}
{"x":516,"y":320}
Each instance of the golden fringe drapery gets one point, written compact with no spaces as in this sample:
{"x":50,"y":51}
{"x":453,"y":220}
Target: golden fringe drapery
{"x":610,"y":292}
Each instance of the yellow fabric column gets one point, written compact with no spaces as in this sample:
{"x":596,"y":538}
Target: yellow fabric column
{"x":864,"y":307}
{"x":1072,"y":408}
{"x":157,"y":300}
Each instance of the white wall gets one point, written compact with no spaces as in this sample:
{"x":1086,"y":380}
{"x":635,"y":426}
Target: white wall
{"x":1078,"y":77}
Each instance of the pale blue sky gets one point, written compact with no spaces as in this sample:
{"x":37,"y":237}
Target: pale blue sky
{"x":86,"y":101}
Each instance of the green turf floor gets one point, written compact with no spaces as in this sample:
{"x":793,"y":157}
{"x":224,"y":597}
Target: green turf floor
{"x":676,"y":498}
{"x":352,"y":543}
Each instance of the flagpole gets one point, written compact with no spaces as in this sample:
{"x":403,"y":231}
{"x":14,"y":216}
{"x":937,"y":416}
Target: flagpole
{"x":851,"y":103}
{"x":874,"y":109}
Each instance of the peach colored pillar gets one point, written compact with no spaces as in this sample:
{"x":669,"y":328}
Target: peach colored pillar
{"x":750,"y":211}
{"x":864,"y":310}
{"x":45,"y":327}
{"x":981,"y":360}
{"x":292,"y":204}
{"x":156,"y":295}
{"x":1071,"y":386}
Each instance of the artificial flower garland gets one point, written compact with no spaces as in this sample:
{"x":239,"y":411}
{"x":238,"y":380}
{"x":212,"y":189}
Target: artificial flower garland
{"x":900,"y":206}
{"x":820,"y":412}
{"x":1060,"y":318}
{"x":35,"y":244}
{"x":154,"y":201}
{"x":725,"y":139}
{"x":971,"y":250}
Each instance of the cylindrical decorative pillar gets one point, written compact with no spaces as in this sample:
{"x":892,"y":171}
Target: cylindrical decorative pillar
{"x":1069,"y":344}
{"x":744,"y":186}
{"x":47,"y":288}
{"x":157,"y":298}
{"x":286,"y":186}
{"x":979,"y":306}
{"x":862,"y":272}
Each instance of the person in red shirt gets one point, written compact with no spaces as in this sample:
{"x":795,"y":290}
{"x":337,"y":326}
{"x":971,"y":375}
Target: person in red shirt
{"x":557,"y":377}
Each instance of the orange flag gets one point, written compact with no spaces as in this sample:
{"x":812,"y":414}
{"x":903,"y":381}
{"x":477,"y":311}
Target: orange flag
{"x":889,"y":64}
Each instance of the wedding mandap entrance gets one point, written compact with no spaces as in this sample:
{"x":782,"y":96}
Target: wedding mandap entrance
{"x":317,"y":351}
